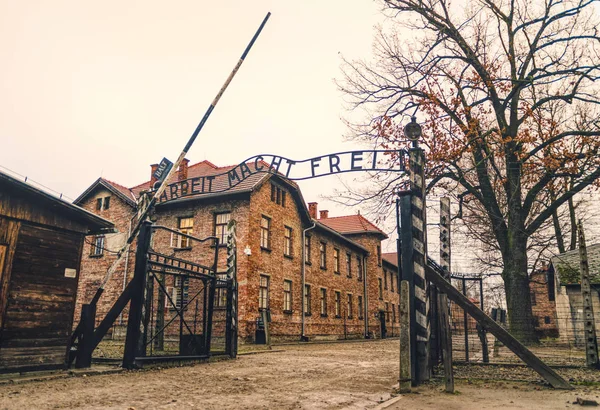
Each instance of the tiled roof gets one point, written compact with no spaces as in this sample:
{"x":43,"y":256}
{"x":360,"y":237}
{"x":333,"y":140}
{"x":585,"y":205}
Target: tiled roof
{"x":566,"y":266}
{"x":124,"y":190}
{"x":391,"y":258}
{"x":207,"y":168}
{"x":351,"y":224}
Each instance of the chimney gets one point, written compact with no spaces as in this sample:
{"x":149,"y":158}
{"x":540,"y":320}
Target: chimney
{"x":323,"y":214}
{"x":153,"y":169}
{"x":183,"y":170}
{"x":312,"y":209}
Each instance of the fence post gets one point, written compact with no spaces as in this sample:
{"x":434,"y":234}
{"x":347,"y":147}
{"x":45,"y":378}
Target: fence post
{"x":466,"y":322}
{"x":444,"y":314}
{"x":416,"y":161}
{"x":591,"y":344}
{"x":137,"y":296}
{"x":405,"y":348}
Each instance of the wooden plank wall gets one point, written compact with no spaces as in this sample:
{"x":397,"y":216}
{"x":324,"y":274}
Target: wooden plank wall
{"x":41,"y":300}
{"x":9,"y":231}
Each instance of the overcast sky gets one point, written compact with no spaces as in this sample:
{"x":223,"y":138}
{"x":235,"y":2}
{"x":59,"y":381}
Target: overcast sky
{"x":91,"y":89}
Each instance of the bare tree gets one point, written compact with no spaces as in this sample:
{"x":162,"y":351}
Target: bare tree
{"x":509,"y":94}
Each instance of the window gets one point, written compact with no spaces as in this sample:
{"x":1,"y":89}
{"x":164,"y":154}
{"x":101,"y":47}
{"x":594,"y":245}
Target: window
{"x":186,"y":226}
{"x":307,"y":249}
{"x":336,"y":261}
{"x":221,"y":293}
{"x":265,"y":233}
{"x":337,"y":304}
{"x":287,"y":243}
{"x":278,"y":195}
{"x":323,"y":293}
{"x":392,"y":280}
{"x":533,"y":300}
{"x":393,"y":313}
{"x":181,"y":287}
{"x":97,"y":246}
{"x":380,"y":288}
{"x":307,"y":309}
{"x":349,"y":264}
{"x":102,"y":204}
{"x":221,"y":221}
{"x":287,"y":296}
{"x":387,"y":312}
{"x":350,"y":306}
{"x":385,"y":279}
{"x":359,"y":267}
{"x":378,"y":255}
{"x":323,"y":254}
{"x":546,"y":318}
{"x":263,"y":292}
{"x":360,"y":307}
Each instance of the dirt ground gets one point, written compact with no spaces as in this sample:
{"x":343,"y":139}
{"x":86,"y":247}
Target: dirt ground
{"x":315,"y":376}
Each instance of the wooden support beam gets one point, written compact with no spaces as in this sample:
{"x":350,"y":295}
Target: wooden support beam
{"x":434,"y":276}
{"x":138,"y":283}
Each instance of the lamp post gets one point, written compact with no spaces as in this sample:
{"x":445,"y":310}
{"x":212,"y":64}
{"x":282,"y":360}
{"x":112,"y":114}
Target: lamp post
{"x":413,"y":131}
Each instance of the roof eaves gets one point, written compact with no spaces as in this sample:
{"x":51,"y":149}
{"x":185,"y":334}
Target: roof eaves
{"x":104,"y":225}
{"x":339,"y":235}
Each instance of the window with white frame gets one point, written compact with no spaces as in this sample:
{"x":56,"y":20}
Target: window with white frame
{"x":307,"y":300}
{"x":186,"y":226}
{"x":287,"y":296}
{"x":349,"y":264}
{"x":323,"y":292}
{"x":350,"y":305}
{"x":323,"y":255}
{"x":336,"y":260}
{"x":221,"y":221}
{"x":360,"y":306}
{"x":97,"y":248}
{"x":265,"y":232}
{"x":180,"y":294}
{"x":307,"y":249}
{"x":287,"y":241}
{"x":338,"y":301}
{"x":221,"y":293}
{"x":263,"y":292}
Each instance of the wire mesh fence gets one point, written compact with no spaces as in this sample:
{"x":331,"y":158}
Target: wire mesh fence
{"x":558,"y":321}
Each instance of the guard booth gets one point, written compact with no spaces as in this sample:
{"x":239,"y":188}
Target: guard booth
{"x":41,"y":240}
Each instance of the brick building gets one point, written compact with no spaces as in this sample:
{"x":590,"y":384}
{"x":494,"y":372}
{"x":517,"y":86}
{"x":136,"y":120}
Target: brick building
{"x":343,"y":287}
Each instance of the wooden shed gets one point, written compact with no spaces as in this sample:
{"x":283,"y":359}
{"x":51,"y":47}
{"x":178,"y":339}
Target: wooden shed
{"x":41,"y":240}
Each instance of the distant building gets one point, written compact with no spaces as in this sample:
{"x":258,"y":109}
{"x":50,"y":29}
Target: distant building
{"x":350,"y":290}
{"x":565,"y":279}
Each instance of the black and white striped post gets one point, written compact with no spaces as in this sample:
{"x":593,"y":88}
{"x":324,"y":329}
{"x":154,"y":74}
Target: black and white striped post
{"x":414,"y":255}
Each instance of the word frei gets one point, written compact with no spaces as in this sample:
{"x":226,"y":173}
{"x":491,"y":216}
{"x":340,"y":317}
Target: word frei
{"x":341,"y":162}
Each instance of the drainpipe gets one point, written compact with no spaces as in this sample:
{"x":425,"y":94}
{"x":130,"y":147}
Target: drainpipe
{"x":302,"y":334}
{"x":366,"y":296}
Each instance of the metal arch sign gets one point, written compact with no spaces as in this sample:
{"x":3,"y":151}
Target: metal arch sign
{"x":296,"y":170}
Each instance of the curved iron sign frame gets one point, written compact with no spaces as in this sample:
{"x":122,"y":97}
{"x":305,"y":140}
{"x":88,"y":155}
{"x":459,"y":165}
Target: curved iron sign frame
{"x":295,"y":170}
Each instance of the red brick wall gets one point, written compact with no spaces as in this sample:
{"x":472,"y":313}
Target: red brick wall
{"x":544,"y":310}
{"x":93,"y":269}
{"x":248,"y":213}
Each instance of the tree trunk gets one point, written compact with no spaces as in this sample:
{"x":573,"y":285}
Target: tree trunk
{"x":518,"y":300}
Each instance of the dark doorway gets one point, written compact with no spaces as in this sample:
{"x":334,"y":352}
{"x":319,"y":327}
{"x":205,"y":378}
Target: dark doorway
{"x":382,"y":324}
